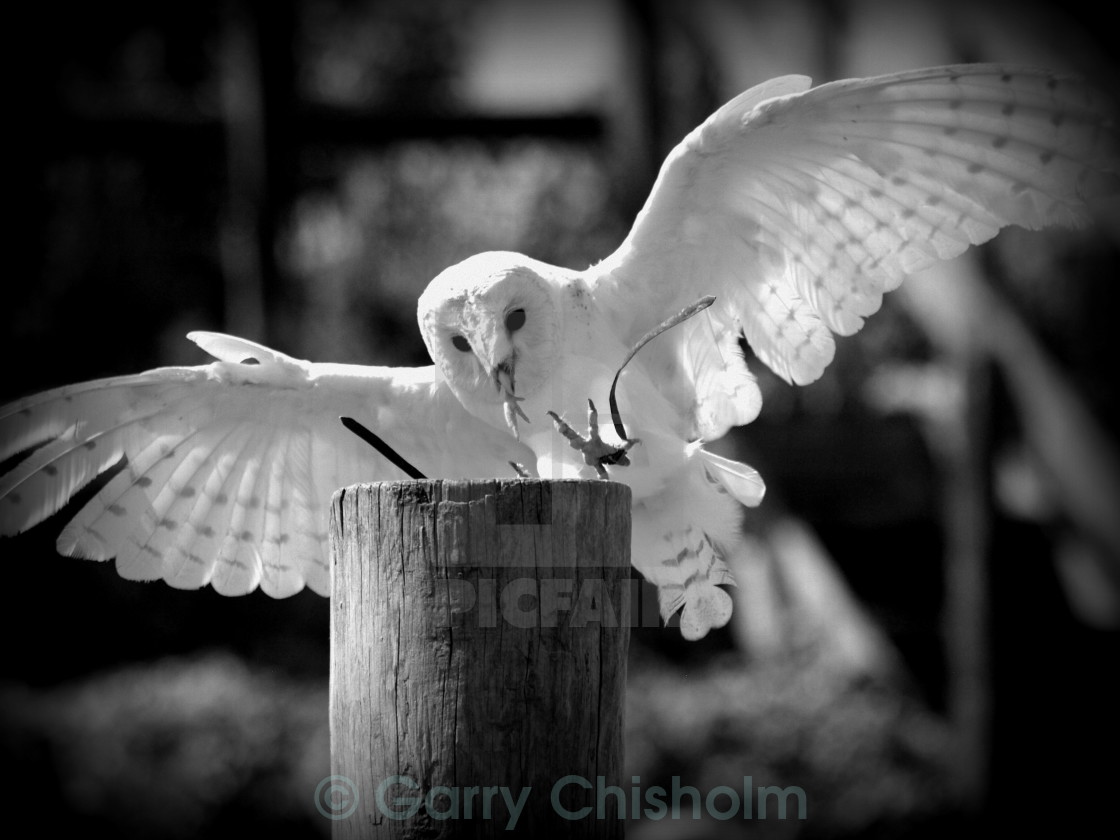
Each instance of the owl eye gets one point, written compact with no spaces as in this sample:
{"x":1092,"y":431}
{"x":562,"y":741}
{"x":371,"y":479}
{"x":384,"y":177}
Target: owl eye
{"x":515,"y":320}
{"x":461,"y":343}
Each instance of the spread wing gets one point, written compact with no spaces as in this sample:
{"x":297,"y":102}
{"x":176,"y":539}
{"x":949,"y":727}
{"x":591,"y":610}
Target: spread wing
{"x":798,"y":208}
{"x":229,"y":468}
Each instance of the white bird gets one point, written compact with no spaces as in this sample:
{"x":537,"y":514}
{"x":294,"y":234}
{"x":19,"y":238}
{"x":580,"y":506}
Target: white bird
{"x":795,"y":207}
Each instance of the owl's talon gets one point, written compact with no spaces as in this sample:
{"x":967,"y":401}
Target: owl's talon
{"x":596,"y":453}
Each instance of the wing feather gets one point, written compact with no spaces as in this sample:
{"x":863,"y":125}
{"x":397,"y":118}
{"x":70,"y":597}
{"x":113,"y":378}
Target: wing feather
{"x":146,"y":502}
{"x":726,"y":393}
{"x":238,"y":569}
{"x":81,"y":449}
{"x":279,"y":578}
{"x":171,"y":507}
{"x":189,"y":562}
{"x":799,"y":207}
{"x":225,"y":471}
{"x":128,"y":501}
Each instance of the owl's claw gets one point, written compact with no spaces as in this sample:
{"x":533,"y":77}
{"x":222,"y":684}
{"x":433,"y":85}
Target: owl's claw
{"x":596,"y":453}
{"x":511,"y":410}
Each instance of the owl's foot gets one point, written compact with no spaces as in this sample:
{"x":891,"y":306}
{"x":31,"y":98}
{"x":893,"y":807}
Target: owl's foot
{"x":596,"y":453}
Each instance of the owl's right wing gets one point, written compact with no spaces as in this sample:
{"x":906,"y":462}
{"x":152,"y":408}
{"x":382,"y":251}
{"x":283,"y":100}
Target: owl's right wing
{"x":798,"y":207}
{"x":229,"y":468}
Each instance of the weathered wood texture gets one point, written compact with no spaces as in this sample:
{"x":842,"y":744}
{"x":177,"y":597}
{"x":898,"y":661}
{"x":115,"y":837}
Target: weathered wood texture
{"x":479,"y":635}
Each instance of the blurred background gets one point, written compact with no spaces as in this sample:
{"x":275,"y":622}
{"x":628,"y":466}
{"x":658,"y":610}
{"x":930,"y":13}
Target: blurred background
{"x":926,"y":632}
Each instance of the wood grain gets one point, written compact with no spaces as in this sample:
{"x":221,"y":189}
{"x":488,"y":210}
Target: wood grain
{"x":478,"y":639}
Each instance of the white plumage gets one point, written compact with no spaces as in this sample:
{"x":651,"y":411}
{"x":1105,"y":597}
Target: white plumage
{"x":796,"y":207}
{"x":231,"y":466}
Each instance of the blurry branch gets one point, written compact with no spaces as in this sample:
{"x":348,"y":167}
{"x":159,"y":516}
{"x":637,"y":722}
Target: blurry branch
{"x":1077,"y":461}
{"x":1077,"y":468}
{"x":977,"y":335}
{"x":953,"y":400}
{"x":792,"y":601}
{"x":671,"y":87}
{"x":242,"y":236}
{"x":1074,"y":452}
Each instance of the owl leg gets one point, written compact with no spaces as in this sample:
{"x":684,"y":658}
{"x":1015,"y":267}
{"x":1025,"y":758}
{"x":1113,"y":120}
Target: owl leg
{"x":596,"y":453}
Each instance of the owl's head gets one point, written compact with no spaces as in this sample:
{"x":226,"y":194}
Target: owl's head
{"x":491,"y":324}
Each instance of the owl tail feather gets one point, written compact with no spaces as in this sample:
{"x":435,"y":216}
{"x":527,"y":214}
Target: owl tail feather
{"x":700,"y":571}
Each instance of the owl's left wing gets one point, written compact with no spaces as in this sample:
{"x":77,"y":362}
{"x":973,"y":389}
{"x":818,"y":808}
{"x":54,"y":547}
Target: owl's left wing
{"x":799,"y":207}
{"x":227,"y":470}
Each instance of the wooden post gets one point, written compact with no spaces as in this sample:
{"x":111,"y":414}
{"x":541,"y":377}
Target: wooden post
{"x":479,"y":632}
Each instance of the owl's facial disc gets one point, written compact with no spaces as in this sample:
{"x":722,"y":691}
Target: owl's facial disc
{"x":492,"y":324}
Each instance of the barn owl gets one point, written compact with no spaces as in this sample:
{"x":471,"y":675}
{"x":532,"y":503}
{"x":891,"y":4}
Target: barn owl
{"x":795,"y":207}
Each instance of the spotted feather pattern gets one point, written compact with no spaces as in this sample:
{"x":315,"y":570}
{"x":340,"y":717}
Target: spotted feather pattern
{"x":799,"y":207}
{"x":224,"y":472}
{"x":697,"y":571}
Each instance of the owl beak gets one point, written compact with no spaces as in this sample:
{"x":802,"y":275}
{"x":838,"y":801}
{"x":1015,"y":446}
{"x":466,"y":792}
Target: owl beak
{"x":504,"y":381}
